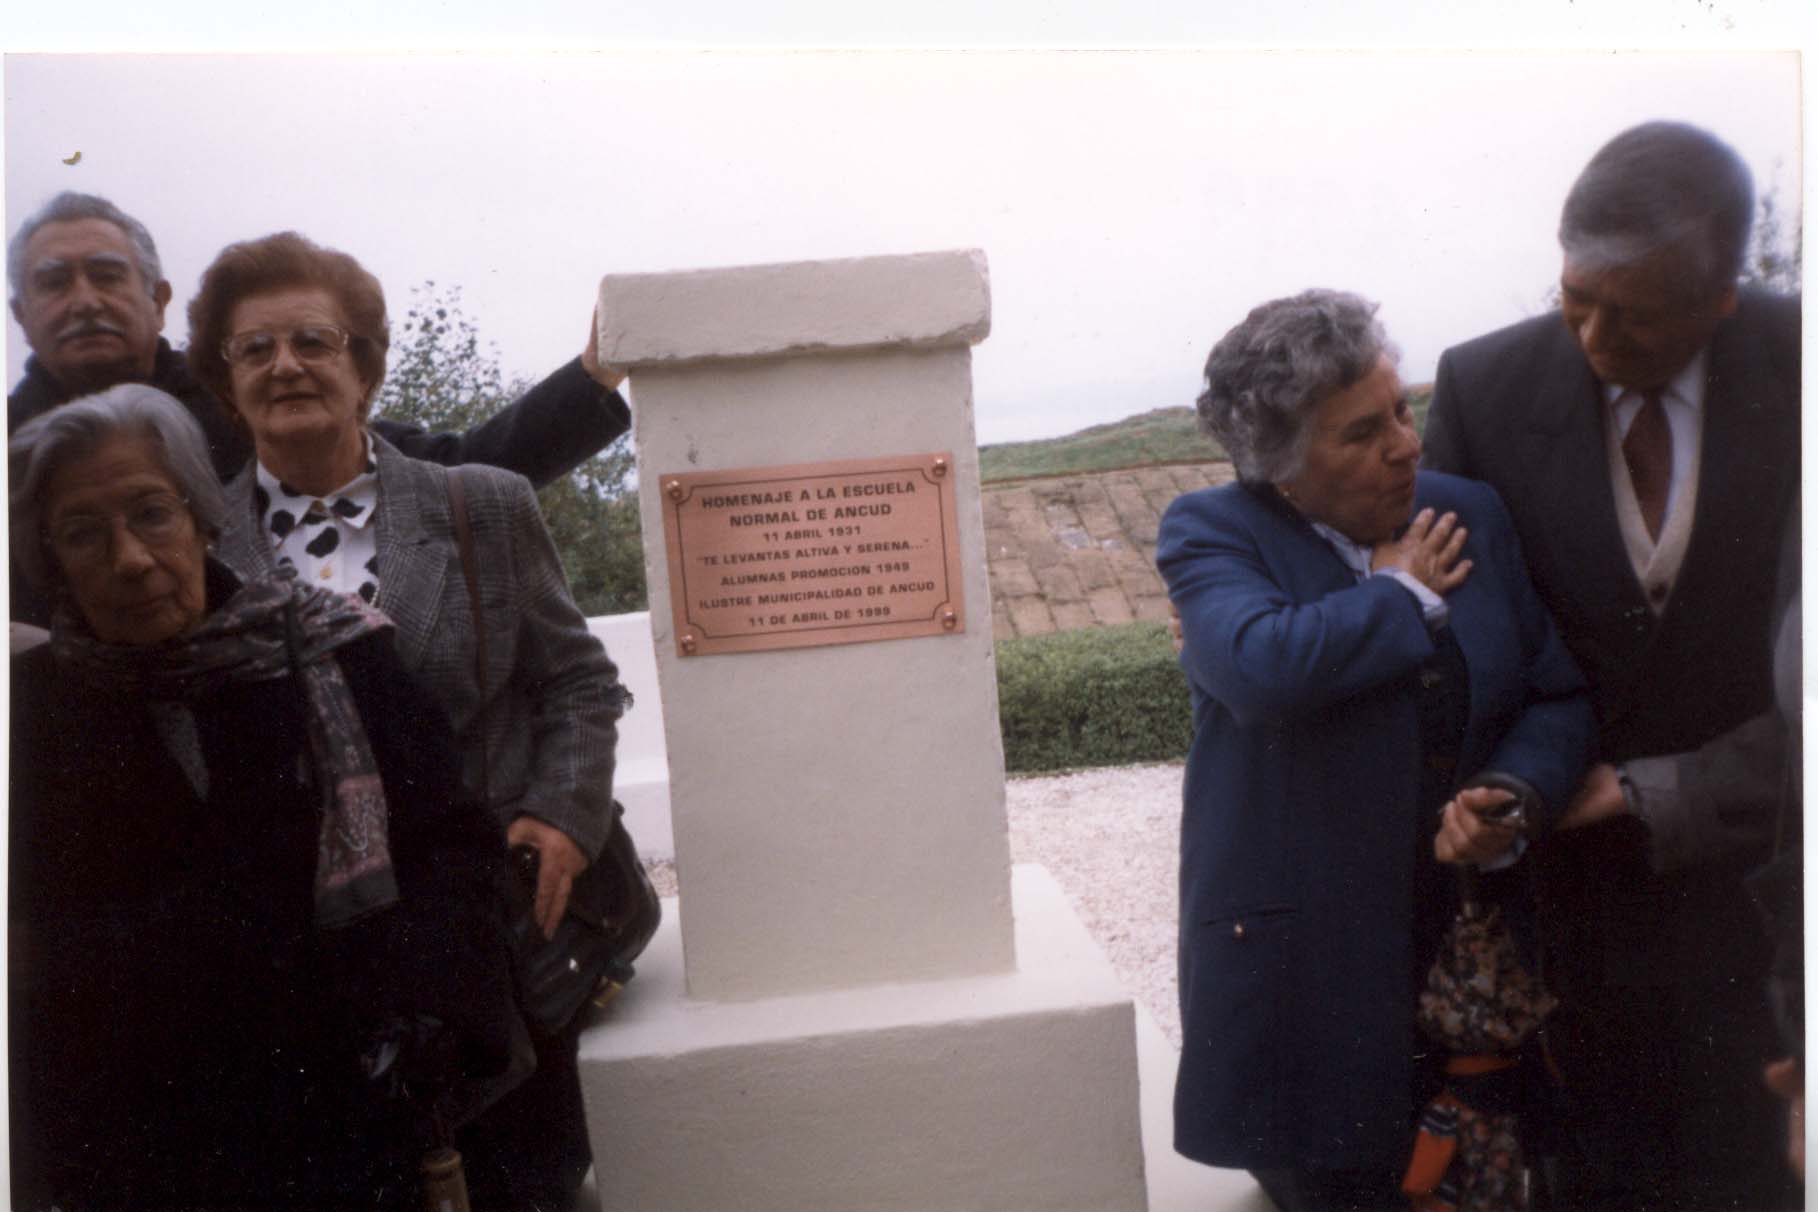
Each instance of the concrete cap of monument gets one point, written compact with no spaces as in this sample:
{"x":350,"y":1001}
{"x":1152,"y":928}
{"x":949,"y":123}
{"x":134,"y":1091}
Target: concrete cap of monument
{"x":919,"y":301}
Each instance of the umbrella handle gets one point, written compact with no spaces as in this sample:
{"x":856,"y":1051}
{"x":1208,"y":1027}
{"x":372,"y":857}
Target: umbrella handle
{"x":444,"y":1181}
{"x":1515,"y":814}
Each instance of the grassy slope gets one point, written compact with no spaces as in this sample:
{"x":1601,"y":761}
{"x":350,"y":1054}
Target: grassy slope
{"x":1166,"y":435}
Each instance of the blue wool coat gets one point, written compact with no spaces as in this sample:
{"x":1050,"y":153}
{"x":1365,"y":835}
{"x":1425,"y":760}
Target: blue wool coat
{"x":1300,"y":826}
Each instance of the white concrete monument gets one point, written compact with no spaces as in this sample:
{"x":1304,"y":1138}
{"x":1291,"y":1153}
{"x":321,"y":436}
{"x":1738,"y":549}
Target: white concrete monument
{"x":640,"y":777}
{"x":859,"y":1006}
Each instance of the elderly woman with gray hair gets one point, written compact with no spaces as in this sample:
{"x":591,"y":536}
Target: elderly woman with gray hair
{"x":1361,"y":642}
{"x":240,"y":857}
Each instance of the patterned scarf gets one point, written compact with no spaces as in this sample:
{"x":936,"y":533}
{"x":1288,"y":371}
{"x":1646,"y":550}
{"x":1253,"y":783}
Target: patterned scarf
{"x":263,"y":631}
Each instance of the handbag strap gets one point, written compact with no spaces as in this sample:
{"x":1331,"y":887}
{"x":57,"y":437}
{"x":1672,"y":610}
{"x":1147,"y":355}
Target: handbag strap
{"x":457,"y":510}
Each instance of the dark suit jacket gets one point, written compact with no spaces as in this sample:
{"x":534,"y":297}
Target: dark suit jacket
{"x":1300,"y":825}
{"x":1520,"y":409}
{"x":543,"y":435}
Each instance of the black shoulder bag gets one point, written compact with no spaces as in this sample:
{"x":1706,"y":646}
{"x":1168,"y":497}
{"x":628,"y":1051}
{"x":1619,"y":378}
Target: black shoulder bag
{"x":612,"y":908}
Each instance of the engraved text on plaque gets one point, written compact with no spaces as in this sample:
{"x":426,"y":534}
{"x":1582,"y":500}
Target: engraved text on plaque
{"x":816,"y":553}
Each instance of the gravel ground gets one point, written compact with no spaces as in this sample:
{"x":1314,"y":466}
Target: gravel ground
{"x":1111,"y":837}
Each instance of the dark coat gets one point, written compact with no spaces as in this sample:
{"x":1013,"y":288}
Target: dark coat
{"x":543,"y":435}
{"x":541,"y":738}
{"x":1521,"y":410}
{"x":182,"y":1035}
{"x":1662,"y":1031}
{"x":546,"y":722}
{"x":1300,"y":828}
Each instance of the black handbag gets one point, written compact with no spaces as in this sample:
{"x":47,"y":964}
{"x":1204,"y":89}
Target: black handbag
{"x":613,"y":909}
{"x":612,"y":912}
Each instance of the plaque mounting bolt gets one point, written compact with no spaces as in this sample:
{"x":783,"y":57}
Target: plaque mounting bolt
{"x":688,"y":643}
{"x":675,"y":490}
{"x":949,"y":620}
{"x":940,"y":468}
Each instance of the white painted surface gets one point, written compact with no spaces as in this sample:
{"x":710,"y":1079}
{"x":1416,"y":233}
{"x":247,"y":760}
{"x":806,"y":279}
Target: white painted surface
{"x":839,"y":1019}
{"x":1014,"y":1091}
{"x":915,"y":301}
{"x":838,"y":811}
{"x":640,"y":777}
{"x":1175,"y":1183}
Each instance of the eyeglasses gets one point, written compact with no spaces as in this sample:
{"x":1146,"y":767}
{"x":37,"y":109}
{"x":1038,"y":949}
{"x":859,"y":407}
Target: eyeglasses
{"x":157,"y":519}
{"x":310,"y":342}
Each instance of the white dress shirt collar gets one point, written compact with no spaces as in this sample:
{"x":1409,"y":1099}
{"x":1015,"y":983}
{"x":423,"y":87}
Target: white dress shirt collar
{"x":1685,"y":388}
{"x":330,"y":540}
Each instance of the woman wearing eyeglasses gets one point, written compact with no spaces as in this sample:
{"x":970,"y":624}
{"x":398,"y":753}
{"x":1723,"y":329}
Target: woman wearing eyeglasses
{"x":240,"y":858}
{"x":293,"y":337}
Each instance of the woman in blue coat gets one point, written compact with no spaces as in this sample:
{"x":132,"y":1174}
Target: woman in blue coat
{"x":1362,"y":642}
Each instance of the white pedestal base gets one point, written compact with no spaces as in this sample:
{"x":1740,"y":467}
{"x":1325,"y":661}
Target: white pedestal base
{"x":643,"y":787}
{"x":1003,"y":1093}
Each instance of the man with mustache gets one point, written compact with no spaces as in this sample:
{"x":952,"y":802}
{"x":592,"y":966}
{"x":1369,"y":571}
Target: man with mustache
{"x":1648,"y":449}
{"x":88,"y":290}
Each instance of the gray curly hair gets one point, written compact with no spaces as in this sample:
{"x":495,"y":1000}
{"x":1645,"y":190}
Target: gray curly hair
{"x":77,"y":429}
{"x":1266,"y":377}
{"x":69,"y":207}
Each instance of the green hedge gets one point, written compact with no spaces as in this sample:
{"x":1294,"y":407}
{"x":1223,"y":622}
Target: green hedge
{"x":1103,"y":696}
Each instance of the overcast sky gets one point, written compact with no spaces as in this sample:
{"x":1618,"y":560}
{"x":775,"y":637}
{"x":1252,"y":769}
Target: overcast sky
{"x":1132,"y":205}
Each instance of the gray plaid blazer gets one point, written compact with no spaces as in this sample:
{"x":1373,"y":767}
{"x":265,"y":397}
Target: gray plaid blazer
{"x":552,"y":695}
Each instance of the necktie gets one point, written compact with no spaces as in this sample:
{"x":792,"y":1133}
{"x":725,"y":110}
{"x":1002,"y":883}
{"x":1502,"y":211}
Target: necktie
{"x":1648,"y":449}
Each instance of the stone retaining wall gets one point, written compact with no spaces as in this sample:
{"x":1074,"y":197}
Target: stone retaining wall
{"x":1079,"y":550}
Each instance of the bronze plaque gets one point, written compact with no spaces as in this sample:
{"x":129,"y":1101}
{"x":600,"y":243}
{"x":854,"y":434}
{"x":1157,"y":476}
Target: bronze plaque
{"x":816,"y":553}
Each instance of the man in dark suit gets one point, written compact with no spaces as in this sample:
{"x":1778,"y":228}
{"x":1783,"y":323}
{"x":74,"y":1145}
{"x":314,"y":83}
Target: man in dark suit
{"x":88,"y":290}
{"x":1647,"y":448}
